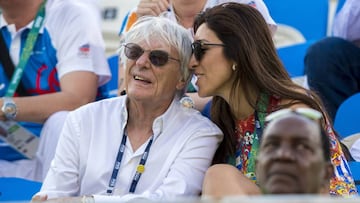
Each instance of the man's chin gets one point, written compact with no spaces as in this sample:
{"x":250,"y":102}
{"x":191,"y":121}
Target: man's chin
{"x":281,"y":188}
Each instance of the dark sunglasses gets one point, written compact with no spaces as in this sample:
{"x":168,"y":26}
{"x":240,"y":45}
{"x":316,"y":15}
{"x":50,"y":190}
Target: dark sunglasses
{"x":199,"y":48}
{"x":157,"y":57}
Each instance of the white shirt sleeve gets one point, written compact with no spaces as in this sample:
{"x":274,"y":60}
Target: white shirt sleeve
{"x":355,"y":150}
{"x":347,"y":23}
{"x":63,"y":177}
{"x":258,"y":4}
{"x":76,"y":35}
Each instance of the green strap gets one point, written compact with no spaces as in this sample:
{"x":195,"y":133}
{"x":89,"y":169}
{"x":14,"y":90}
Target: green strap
{"x":26,"y":52}
{"x":261,"y":110}
{"x":263,"y":105}
{"x":191,"y":88}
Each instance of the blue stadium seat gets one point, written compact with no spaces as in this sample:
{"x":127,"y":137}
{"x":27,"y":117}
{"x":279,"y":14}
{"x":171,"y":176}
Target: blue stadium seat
{"x":17,"y":189}
{"x":293,"y":57}
{"x":346,"y":122}
{"x":110,"y":89}
{"x":307,"y":16}
{"x":355,"y":170}
{"x":339,"y":5}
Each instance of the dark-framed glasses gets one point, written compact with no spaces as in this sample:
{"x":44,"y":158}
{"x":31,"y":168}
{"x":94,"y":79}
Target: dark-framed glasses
{"x":157,"y":57}
{"x":199,"y":48}
{"x":305,"y":112}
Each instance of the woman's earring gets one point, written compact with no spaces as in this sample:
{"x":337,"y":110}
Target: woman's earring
{"x":234,"y":67}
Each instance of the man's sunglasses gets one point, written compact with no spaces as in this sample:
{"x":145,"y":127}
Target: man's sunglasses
{"x":199,"y":48}
{"x":157,"y":57}
{"x":305,"y":112}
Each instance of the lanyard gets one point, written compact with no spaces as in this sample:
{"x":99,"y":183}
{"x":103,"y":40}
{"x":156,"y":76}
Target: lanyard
{"x":26,"y":52}
{"x":139,"y":169}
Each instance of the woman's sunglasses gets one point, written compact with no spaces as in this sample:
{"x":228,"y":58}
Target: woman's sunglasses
{"x":157,"y":57}
{"x":305,"y":112}
{"x":199,"y":47}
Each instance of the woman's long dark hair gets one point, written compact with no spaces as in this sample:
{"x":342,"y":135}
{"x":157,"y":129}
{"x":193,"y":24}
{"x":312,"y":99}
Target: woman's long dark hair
{"x":248,"y":42}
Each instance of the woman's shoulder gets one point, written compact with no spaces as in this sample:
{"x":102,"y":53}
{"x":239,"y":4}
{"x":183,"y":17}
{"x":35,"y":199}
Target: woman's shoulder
{"x":277,"y":101}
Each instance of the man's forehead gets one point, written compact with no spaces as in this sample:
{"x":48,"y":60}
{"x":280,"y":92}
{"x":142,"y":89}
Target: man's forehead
{"x":292,"y":126}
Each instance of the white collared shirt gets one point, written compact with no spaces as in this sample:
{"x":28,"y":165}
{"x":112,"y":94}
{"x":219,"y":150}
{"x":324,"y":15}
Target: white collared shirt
{"x":183,"y":147}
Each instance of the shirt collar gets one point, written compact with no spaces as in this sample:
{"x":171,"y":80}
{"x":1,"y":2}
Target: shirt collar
{"x":11,"y":27}
{"x":160,"y":123}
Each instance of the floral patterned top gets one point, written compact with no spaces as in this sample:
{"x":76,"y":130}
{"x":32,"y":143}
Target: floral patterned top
{"x":341,"y":184}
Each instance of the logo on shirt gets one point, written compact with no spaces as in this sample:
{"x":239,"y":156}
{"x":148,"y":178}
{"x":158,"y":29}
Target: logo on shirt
{"x":252,"y":3}
{"x":84,"y":50}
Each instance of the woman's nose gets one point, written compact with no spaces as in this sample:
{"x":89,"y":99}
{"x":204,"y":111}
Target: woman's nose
{"x":193,"y":62}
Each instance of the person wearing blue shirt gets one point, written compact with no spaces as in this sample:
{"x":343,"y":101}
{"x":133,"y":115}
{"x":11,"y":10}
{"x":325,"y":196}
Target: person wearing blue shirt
{"x":332,"y":65}
{"x":63,"y":72}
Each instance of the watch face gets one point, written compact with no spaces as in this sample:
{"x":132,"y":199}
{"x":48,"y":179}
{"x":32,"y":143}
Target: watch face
{"x":10,"y":108}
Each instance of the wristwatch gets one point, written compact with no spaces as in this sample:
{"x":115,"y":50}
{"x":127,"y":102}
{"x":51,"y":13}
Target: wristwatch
{"x":9,"y":108}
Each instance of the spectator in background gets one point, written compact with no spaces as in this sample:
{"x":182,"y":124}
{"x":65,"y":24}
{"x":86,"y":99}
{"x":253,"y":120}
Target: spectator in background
{"x":145,"y":141}
{"x":235,"y":61}
{"x":183,"y":12}
{"x":63,"y":72}
{"x":294,"y":154}
{"x":332,"y":65}
{"x":93,"y":6}
{"x":353,"y":144}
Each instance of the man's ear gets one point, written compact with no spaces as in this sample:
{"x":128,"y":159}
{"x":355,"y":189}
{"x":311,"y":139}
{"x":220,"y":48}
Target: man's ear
{"x":181,"y":84}
{"x":329,"y":173}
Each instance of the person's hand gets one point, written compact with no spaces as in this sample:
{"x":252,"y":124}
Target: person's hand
{"x":43,"y":199}
{"x":2,"y":115}
{"x":151,"y":7}
{"x":39,"y":198}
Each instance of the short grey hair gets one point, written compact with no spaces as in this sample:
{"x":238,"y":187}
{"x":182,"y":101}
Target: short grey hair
{"x":149,"y":27}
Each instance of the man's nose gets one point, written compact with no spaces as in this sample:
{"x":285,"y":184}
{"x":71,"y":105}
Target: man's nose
{"x":143,"y":59}
{"x":284,"y":152}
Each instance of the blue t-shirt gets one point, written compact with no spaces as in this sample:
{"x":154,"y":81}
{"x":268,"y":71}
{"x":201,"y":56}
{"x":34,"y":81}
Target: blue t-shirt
{"x":39,"y":77}
{"x":67,"y":42}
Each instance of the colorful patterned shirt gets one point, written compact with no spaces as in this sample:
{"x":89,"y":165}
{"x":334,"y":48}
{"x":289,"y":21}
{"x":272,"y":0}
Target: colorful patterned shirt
{"x":341,"y":183}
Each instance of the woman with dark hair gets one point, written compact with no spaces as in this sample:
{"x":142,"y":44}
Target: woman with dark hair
{"x":183,"y":12}
{"x":235,"y":61}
